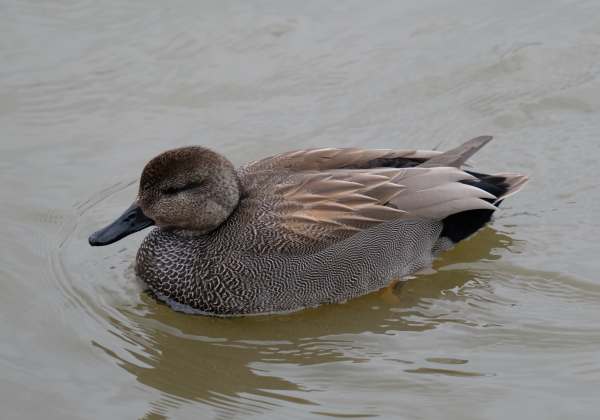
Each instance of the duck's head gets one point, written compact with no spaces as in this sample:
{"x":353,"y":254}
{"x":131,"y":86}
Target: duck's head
{"x":191,"y":190}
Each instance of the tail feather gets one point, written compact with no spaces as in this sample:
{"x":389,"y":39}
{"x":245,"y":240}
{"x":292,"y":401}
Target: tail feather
{"x":463,"y":224}
{"x":459,"y":226}
{"x":514,"y":183}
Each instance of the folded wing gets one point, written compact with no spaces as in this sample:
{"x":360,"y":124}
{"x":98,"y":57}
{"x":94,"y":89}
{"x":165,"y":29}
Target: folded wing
{"x":330,"y":194}
{"x":339,"y":203}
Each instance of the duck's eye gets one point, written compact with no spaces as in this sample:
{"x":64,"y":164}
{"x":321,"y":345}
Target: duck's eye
{"x":177,"y":190}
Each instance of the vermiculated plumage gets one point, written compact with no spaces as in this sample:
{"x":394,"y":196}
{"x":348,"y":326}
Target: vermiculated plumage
{"x":310,"y":227}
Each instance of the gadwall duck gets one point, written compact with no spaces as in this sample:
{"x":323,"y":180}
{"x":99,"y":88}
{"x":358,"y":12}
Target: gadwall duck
{"x":302,"y":228}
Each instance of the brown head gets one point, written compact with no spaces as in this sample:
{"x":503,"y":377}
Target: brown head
{"x":191,"y":190}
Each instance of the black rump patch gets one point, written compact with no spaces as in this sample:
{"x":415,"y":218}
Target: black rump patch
{"x":461,"y":225}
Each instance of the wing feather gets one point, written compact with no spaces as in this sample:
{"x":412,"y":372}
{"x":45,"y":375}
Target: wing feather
{"x":343,"y":201}
{"x":329,"y":194}
{"x":333,"y":158}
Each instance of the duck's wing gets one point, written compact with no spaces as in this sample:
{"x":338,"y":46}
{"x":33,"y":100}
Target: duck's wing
{"x":336,"y":204}
{"x":330,"y":194}
{"x":329,"y":158}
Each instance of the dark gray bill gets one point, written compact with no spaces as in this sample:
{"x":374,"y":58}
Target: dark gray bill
{"x":131,"y":221}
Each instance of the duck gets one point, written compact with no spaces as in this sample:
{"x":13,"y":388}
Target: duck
{"x":302,"y":228}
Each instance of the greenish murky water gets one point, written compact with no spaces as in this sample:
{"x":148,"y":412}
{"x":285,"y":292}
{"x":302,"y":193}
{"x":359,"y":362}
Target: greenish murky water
{"x":508,"y":326}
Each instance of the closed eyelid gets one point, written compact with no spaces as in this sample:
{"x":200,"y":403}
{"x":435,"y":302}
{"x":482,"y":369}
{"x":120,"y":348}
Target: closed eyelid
{"x":175,"y":190}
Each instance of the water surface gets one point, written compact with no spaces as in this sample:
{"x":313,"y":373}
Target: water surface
{"x":508,"y":325}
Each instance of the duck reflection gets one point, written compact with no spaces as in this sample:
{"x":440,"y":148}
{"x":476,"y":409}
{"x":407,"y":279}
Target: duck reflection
{"x":218,"y":361}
